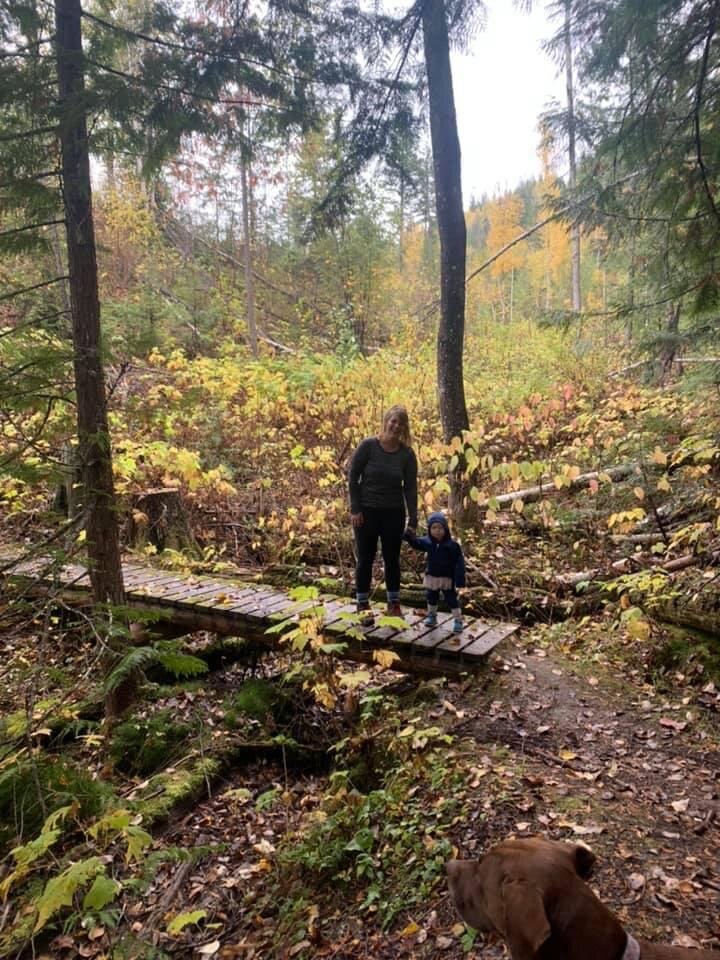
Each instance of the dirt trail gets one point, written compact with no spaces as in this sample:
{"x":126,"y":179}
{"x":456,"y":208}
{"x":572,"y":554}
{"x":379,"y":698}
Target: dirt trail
{"x":609,"y":762}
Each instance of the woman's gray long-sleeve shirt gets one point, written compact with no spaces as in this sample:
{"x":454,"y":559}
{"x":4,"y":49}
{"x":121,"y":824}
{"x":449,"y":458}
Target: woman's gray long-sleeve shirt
{"x":383,"y":480}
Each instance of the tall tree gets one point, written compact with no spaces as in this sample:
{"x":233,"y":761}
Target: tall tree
{"x":450,"y":219}
{"x":93,"y":434}
{"x":576,"y":294}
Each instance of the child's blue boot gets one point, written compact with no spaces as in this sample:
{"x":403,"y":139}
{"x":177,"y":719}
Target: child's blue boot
{"x":457,"y":625}
{"x":431,"y":619}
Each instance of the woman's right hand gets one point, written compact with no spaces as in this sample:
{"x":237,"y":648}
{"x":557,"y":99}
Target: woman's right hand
{"x":356,"y":519}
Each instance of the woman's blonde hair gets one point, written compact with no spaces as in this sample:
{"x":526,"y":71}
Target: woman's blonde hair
{"x":401,"y":413}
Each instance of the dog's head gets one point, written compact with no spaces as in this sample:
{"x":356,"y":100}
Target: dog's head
{"x":505,"y":891}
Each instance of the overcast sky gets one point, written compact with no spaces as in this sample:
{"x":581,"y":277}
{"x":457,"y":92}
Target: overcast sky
{"x":501,"y":86}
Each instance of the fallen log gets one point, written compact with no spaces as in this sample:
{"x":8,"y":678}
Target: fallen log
{"x":532,"y":494}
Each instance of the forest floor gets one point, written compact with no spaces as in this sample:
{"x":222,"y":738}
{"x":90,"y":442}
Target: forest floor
{"x":566,"y":734}
{"x":550,"y":742}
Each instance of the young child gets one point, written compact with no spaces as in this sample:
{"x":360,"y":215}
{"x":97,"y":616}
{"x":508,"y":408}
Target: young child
{"x":445,"y":568}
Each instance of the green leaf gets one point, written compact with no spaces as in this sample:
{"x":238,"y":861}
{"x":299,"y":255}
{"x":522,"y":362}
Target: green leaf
{"x":182,"y":920}
{"x":59,"y":891}
{"x":137,"y":841}
{"x":113,"y":821}
{"x":267,"y":799}
{"x":304,"y":593}
{"x":338,"y":648}
{"x":102,"y":892}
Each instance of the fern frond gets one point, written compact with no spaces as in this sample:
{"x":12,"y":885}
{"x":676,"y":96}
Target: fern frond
{"x":181,"y":665}
{"x":137,"y":658}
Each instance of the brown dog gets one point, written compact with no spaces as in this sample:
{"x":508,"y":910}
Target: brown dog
{"x":530,"y":892}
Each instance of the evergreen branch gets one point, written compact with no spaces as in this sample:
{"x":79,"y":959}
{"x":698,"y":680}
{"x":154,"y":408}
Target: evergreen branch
{"x":37,"y":176}
{"x":35,"y":286}
{"x":30,"y":226}
{"x":31,"y":323}
{"x":25,"y":134}
{"x":149,"y":85}
{"x":186,"y":48}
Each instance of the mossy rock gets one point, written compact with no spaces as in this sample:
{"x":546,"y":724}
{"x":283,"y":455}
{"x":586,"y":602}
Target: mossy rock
{"x":142,"y":746}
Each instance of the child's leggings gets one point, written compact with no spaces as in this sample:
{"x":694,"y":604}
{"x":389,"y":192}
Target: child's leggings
{"x":451,"y":598}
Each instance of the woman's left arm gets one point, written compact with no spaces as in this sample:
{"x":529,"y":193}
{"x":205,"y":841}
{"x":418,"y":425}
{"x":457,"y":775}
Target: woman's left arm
{"x":410,"y":487}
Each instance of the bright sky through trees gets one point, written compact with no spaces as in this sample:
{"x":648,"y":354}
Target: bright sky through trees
{"x":501,"y":85}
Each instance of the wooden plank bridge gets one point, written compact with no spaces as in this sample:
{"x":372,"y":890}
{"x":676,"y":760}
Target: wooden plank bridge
{"x":233,"y":608}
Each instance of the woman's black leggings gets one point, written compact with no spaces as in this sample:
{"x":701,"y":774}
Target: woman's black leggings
{"x":389,"y":526}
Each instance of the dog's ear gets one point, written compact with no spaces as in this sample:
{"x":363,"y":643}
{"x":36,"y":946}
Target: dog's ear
{"x":466,"y":890}
{"x":526,"y":923}
{"x":584,"y":860}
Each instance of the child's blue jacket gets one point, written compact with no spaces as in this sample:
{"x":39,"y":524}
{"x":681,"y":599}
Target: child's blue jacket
{"x":445,"y":557}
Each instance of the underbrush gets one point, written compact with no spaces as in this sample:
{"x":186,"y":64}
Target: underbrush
{"x":382,"y":838}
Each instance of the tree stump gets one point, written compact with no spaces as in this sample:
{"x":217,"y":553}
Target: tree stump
{"x":68,"y":493}
{"x":158,"y":517}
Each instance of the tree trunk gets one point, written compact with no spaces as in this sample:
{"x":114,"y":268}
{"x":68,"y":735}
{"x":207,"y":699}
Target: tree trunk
{"x":247,"y":257}
{"x":451,"y":220}
{"x":670,"y":345}
{"x":574,"y":229}
{"x":98,"y":496}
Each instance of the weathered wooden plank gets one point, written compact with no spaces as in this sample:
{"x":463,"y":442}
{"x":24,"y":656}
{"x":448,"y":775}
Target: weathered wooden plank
{"x":70,"y":574}
{"x":333,"y":622}
{"x":394,"y":636}
{"x":188,"y":593}
{"x":479,"y":648}
{"x":158,"y":587}
{"x":257,"y":608}
{"x":426,"y":642}
{"x":142,"y":578}
{"x":226,"y":599}
{"x":293,"y":612}
{"x":474,"y":629}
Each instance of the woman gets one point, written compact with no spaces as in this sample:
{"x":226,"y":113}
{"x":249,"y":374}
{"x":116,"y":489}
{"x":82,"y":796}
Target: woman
{"x":383,"y":486}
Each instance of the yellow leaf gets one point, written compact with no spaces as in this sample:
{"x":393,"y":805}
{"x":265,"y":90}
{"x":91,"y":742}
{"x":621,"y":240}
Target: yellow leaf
{"x":640,"y":629}
{"x":385,"y":658}
{"x":663,"y":483}
{"x":639,"y":493}
{"x":518,"y":506}
{"x":659,"y":457}
{"x":566,"y":754}
{"x":410,"y":930}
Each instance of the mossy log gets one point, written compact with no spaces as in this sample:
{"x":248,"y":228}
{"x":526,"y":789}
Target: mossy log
{"x":702,"y":612}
